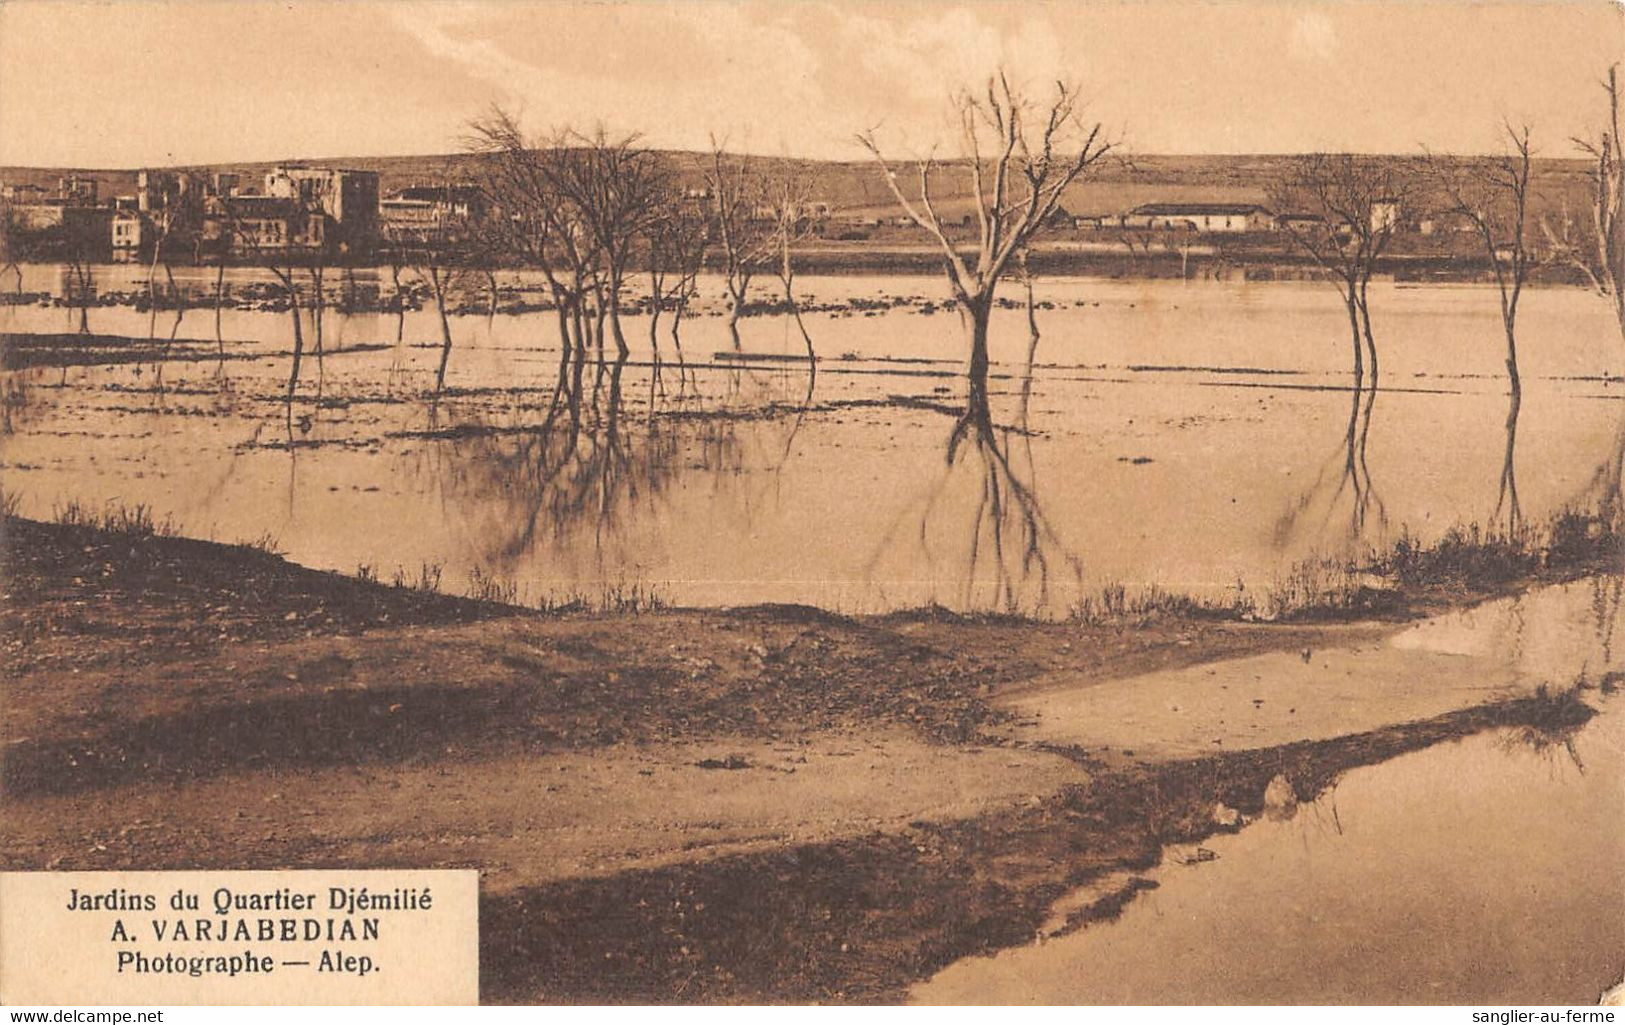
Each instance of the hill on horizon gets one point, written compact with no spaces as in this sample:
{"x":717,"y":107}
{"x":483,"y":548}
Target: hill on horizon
{"x":856,"y":187}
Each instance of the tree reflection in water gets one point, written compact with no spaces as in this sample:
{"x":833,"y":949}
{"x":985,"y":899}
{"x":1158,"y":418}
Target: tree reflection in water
{"x":1003,"y":548}
{"x":1009,"y":517}
{"x":1344,"y":479}
{"x":1604,"y":493}
{"x":575,"y":482}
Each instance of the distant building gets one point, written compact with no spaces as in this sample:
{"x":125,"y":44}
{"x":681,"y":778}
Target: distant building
{"x":408,"y":220}
{"x":348,"y":199}
{"x":158,"y":190}
{"x":419,"y":213}
{"x":247,"y":226}
{"x":25,"y":192}
{"x":1444,"y":223}
{"x":1218,"y":217}
{"x":1299,"y":222}
{"x":56,"y":228}
{"x":77,"y":190}
{"x":127,"y":235}
{"x":462,"y":200}
{"x":1384,"y":214}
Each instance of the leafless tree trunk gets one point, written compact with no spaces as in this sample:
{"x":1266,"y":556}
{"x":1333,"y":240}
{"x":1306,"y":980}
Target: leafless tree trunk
{"x":611,"y":188}
{"x":437,"y":284}
{"x":177,"y":216}
{"x":443,"y":255}
{"x":152,"y":284}
{"x":285,"y":275}
{"x":80,"y":267}
{"x":677,"y":240}
{"x":219,"y":299}
{"x":529,"y":217}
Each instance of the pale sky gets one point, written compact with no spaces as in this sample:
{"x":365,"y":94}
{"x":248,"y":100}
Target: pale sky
{"x":129,"y":83}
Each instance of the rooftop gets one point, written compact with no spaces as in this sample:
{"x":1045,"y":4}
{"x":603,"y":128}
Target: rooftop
{"x":1177,"y":209}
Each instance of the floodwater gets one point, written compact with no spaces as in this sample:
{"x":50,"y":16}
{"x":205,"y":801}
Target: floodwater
{"x":1194,"y":436}
{"x":1547,"y":637}
{"x":1483,"y":871}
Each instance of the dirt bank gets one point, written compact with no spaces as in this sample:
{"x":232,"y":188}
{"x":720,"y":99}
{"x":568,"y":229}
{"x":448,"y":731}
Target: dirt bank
{"x":755,"y":804}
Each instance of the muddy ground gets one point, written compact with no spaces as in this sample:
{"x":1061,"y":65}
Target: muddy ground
{"x":763,"y":804}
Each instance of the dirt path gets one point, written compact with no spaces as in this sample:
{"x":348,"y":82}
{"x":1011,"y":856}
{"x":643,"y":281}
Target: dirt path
{"x":527,"y":820}
{"x":756,"y":804}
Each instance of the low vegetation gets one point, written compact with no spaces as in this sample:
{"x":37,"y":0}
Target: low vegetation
{"x":1468,"y":562}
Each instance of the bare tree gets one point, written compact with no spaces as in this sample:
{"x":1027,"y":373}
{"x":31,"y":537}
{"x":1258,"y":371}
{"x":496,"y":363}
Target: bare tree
{"x":574,"y":243}
{"x":316,"y":268}
{"x":1601,"y":256}
{"x":1492,"y":195}
{"x":789,"y":202}
{"x":79,"y":254}
{"x":75,"y":241}
{"x":176,"y":217}
{"x":743,"y":226}
{"x":530,"y":218}
{"x":676,"y":253}
{"x":441,"y":254}
{"x":613,"y":187}
{"x":278,"y":242}
{"x":1507,"y":494}
{"x":1016,"y":186}
{"x":1352,"y":206}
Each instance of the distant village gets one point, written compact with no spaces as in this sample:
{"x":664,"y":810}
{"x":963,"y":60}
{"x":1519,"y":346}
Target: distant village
{"x":299,"y":209}
{"x":294,"y":209}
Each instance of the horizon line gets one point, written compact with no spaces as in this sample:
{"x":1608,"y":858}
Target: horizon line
{"x":339,"y":160}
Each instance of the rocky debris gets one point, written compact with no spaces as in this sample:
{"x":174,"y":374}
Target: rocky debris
{"x":1226,"y":816}
{"x":1280,"y":800}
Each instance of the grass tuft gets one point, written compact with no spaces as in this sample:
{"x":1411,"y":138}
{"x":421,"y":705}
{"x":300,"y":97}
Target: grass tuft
{"x":135,"y":520}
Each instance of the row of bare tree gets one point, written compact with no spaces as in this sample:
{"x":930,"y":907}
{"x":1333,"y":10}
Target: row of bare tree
{"x":1019,"y":157}
{"x":587,"y":207}
{"x":1352,"y":209}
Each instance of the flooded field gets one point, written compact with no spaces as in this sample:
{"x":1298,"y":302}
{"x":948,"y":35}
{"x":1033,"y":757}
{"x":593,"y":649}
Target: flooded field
{"x":1483,"y":871}
{"x":1199,"y":437}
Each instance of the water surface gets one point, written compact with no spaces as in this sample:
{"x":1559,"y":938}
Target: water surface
{"x":1198,"y":436}
{"x":1483,"y":871}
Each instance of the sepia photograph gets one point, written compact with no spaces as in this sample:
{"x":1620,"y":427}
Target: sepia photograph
{"x":857,"y":502}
